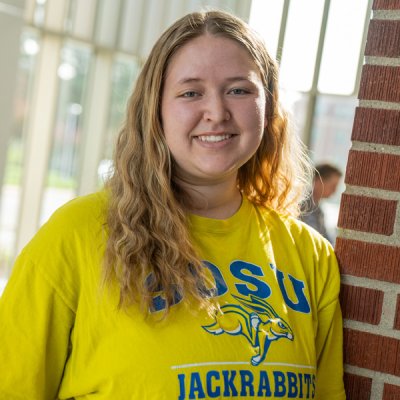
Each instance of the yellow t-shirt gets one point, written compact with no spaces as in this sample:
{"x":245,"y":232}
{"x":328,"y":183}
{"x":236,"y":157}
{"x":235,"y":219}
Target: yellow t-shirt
{"x":277,"y":335}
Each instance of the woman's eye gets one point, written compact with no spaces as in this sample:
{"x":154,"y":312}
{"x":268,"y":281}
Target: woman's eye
{"x":238,"y":91}
{"x":190,"y":94}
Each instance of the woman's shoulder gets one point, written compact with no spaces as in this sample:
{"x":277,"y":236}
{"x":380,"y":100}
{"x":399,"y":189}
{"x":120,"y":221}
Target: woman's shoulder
{"x":298,"y":231}
{"x":75,"y":224}
{"x":67,"y":250}
{"x":83,"y":208}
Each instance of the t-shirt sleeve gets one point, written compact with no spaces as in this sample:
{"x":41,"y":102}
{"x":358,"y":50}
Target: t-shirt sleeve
{"x":35,"y":326}
{"x":329,"y":333}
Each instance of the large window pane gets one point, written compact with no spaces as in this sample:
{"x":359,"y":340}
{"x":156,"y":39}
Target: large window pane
{"x":11,"y":190}
{"x":342,"y":45}
{"x":330,"y":142}
{"x":62,"y":178}
{"x":331,"y":132}
{"x":265,"y":18}
{"x":301,"y":43}
{"x":296,"y":103}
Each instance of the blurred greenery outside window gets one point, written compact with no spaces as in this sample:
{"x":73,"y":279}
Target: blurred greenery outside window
{"x":64,"y":161}
{"x":124,"y":73}
{"x":11,"y":189}
{"x":63,"y":170}
{"x":26,"y":68}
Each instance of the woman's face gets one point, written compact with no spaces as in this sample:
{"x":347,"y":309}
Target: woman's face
{"x":213,"y":109}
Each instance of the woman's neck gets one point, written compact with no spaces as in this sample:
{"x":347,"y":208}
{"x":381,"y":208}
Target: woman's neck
{"x":218,"y":200}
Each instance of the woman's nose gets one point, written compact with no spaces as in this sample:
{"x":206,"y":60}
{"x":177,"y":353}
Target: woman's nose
{"x":216,"y":109}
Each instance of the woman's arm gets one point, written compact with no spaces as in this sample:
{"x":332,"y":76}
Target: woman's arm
{"x":35,"y":324}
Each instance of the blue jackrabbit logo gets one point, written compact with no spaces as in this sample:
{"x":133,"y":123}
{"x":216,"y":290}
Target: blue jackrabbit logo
{"x":260,"y":327}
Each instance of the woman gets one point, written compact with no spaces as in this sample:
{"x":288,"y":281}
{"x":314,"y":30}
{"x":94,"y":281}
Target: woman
{"x":188,"y":277}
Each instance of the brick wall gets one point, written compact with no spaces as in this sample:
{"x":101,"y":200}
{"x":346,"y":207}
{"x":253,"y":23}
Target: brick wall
{"x":368,"y":246}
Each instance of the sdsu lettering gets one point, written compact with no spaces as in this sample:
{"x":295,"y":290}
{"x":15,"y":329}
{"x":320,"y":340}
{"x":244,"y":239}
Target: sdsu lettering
{"x":245,"y":383}
{"x":249,"y":282}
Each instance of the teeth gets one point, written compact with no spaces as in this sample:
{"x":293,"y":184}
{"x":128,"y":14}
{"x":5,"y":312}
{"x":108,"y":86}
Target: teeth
{"x":212,"y":138}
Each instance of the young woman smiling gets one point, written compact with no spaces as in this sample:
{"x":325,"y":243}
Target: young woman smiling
{"x":189,"y":276}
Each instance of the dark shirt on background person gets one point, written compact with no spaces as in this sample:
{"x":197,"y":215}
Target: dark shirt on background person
{"x":326,"y":180}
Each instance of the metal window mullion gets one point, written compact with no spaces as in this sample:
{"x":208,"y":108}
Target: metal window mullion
{"x":96,"y":123}
{"x":29,"y":10}
{"x":56,"y":11}
{"x":313,"y":93}
{"x":39,"y":138}
{"x":84,"y":19}
{"x":152,"y":27}
{"x":106,"y":24}
{"x":362,"y":47}
{"x":282,"y":31}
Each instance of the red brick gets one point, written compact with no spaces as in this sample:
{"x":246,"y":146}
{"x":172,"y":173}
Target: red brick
{"x":361,"y":304}
{"x":391,"y":392}
{"x":374,"y":170}
{"x":397,"y":316}
{"x":383,"y":38}
{"x":369,"y":260}
{"x":376,"y":126}
{"x":367,"y":214}
{"x":370,"y":351}
{"x":380,"y":83}
{"x":357,"y":387}
{"x":386,"y":5}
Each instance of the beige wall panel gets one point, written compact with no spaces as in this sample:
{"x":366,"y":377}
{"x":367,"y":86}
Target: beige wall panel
{"x":29,"y":10}
{"x":175,"y":10}
{"x":131,"y":26}
{"x":56,"y":11}
{"x":107,"y":24}
{"x":153,"y":27}
{"x":83,"y":23}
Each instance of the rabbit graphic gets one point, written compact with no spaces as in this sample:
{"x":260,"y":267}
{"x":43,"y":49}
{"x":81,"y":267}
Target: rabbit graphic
{"x":260,"y":327}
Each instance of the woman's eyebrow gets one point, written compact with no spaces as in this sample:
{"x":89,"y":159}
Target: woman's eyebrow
{"x":189,"y":80}
{"x":239,"y":78}
{"x":230,"y":79}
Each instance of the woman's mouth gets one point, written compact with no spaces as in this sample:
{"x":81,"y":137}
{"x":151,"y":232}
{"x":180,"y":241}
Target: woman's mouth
{"x":214,"y":138}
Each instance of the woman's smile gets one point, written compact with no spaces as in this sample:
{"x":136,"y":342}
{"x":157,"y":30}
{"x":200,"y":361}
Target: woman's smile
{"x":213,"y":109}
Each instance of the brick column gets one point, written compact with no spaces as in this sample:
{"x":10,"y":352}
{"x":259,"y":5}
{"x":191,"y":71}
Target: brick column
{"x":368,"y":246}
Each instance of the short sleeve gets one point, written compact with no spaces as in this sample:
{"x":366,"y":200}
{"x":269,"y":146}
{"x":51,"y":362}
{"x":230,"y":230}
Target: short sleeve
{"x":35,"y":326}
{"x":329,"y":335}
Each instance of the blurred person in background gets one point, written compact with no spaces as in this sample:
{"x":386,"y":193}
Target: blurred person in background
{"x":325,"y":183}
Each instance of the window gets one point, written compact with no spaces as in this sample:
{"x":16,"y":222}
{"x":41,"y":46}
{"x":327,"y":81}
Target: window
{"x":63,"y":169}
{"x":12,"y":185}
{"x":319,"y":46}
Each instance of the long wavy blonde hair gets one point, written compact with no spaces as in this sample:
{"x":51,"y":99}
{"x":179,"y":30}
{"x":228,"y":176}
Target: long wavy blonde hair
{"x":149,"y":245}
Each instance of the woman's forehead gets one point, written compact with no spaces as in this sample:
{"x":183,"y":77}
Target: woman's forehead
{"x":211,"y":53}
